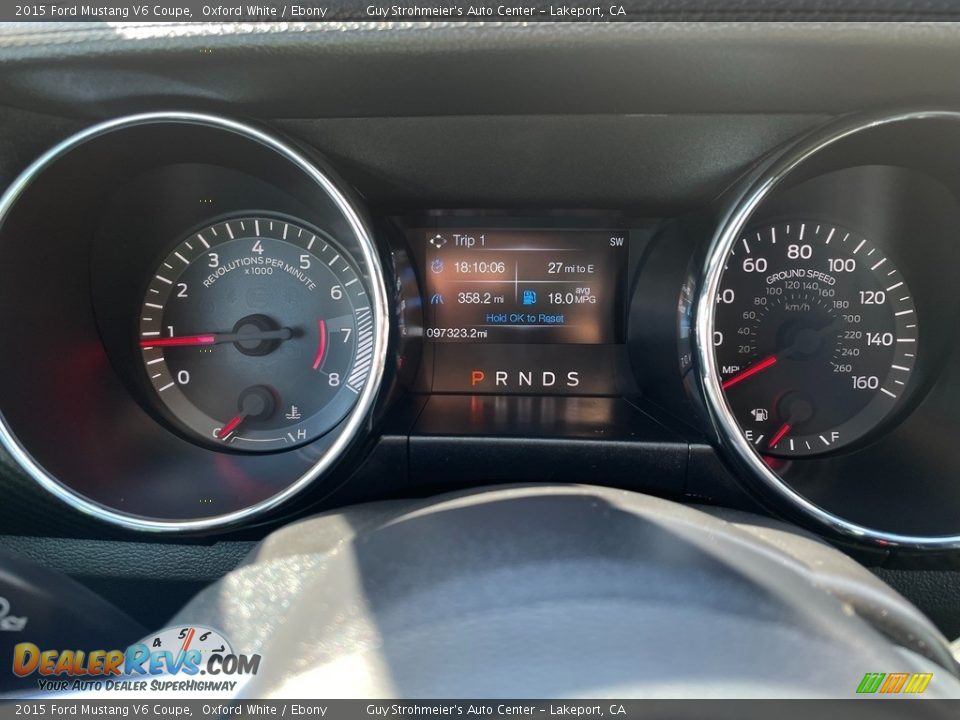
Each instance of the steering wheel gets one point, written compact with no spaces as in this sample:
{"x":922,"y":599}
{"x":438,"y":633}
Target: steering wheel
{"x":562,"y":591}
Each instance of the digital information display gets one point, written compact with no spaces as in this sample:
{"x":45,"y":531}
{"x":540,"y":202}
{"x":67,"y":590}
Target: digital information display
{"x":523,"y":286}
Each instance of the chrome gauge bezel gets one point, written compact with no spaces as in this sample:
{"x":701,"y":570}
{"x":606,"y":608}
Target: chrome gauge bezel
{"x":347,"y":431}
{"x":757,"y":188}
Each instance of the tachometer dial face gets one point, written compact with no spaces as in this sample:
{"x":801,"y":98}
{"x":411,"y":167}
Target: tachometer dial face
{"x":815,"y":337}
{"x":256,"y":334}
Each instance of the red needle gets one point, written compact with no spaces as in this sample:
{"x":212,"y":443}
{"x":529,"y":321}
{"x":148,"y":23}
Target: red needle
{"x":230,"y":427}
{"x":178,"y":341}
{"x":219,"y":338}
{"x":749,"y":372}
{"x":781,"y":433}
{"x":322,"y":345}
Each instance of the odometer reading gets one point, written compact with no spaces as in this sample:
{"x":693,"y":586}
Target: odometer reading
{"x":815,"y":337}
{"x":256,"y":333}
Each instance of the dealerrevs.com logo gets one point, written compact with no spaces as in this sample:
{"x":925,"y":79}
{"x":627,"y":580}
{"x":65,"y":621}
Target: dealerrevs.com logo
{"x":178,"y":659}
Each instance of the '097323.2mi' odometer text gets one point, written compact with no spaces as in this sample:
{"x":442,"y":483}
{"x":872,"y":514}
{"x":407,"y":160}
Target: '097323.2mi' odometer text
{"x":815,"y":337}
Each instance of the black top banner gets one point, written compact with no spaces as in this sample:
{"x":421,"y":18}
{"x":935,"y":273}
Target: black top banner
{"x":528,"y":11}
{"x":308,"y":11}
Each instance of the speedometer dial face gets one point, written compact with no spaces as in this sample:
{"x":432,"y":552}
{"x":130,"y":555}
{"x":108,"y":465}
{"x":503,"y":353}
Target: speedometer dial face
{"x":256,"y":334}
{"x":815,"y":337}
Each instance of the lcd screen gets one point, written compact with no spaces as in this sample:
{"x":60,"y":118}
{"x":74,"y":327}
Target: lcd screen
{"x":523,"y":286}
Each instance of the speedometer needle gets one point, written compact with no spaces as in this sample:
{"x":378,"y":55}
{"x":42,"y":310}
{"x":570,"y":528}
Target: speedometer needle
{"x":217,"y":338}
{"x":804,"y":341}
{"x":749,"y":372}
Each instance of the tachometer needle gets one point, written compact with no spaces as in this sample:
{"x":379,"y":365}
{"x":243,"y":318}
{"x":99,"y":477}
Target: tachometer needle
{"x":178,"y":341}
{"x":217,"y":338}
{"x":749,"y":372}
{"x":231,"y":426}
{"x":779,"y":435}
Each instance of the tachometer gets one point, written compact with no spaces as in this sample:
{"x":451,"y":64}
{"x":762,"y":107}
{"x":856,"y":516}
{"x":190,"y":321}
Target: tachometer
{"x":815,"y":337}
{"x":256,"y":334}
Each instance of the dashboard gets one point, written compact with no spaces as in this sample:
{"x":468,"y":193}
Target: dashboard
{"x":251,"y":274}
{"x":224,"y":327}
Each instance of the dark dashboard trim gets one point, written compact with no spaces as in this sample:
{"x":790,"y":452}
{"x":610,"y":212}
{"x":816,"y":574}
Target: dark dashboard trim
{"x":367,"y":69}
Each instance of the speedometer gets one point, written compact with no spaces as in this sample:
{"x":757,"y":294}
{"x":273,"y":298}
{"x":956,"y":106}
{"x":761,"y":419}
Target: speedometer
{"x":815,"y":337}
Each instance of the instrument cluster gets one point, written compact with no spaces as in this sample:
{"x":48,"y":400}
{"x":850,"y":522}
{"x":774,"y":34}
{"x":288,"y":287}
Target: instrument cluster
{"x":220,"y":324}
